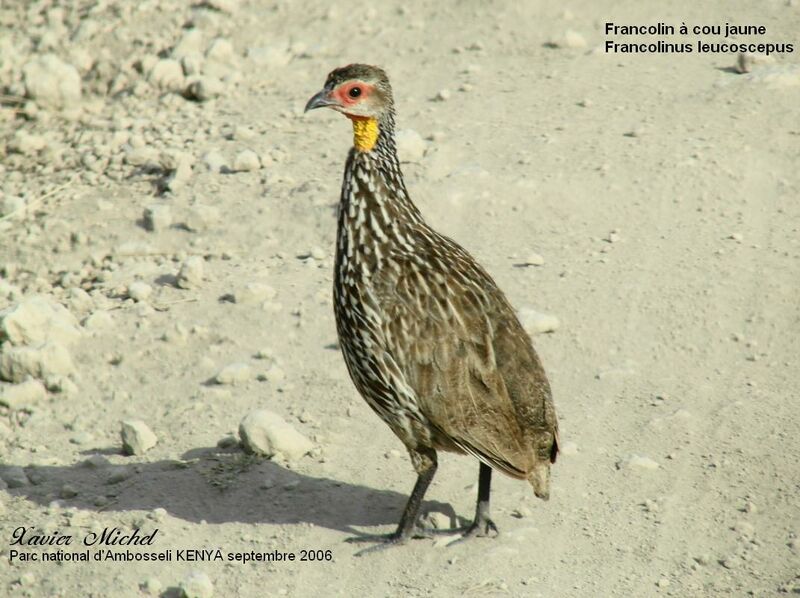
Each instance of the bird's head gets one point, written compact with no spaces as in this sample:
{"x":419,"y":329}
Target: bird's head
{"x":362,"y":93}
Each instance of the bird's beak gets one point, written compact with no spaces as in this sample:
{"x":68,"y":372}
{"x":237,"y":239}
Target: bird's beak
{"x":320,"y":100}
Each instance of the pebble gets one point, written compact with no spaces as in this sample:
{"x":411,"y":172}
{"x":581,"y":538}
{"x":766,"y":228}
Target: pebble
{"x":637,"y":462}
{"x":79,"y":300}
{"x":201,"y":217}
{"x":254,"y":292}
{"x":246,"y":160}
{"x":534,"y":259}
{"x":204,"y":88}
{"x":443,"y":95}
{"x":99,"y":320}
{"x":137,"y":437}
{"x":191,"y":272}
{"x":51,"y":82}
{"x":157,"y":217}
{"x":234,"y":374}
{"x":14,"y":476}
{"x":410,"y":145}
{"x":570,"y":39}
{"x":663,"y":583}
{"x":535,"y":322}
{"x":167,"y":74}
{"x":151,"y":586}
{"x":139,"y":291}
{"x":746,"y":61}
{"x":24,"y":394}
{"x":215,"y":161}
{"x":38,"y":319}
{"x":266,"y":433}
{"x":196,"y":585}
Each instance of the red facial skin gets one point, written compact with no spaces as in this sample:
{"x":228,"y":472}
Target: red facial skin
{"x":342,"y":95}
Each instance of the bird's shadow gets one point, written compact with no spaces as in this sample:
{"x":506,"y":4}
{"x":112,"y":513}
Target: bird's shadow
{"x":215,"y":486}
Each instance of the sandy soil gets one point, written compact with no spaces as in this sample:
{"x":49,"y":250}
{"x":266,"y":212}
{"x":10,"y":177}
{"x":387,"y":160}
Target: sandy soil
{"x":661,"y":191}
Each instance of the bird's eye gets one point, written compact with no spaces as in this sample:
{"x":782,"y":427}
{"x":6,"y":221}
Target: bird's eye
{"x":354,"y":92}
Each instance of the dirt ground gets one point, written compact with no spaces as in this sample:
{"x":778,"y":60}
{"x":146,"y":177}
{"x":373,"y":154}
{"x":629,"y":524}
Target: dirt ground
{"x":161,"y":183}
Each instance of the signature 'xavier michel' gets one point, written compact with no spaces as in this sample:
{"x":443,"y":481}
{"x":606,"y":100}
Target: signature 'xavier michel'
{"x":431,"y":343}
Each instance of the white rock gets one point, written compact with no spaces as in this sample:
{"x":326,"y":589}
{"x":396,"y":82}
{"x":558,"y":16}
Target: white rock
{"x":167,"y":74}
{"x":79,"y":300}
{"x":204,"y":88}
{"x":234,"y":373}
{"x":201,"y":217}
{"x":196,"y":585}
{"x":191,"y":272}
{"x":535,"y":322}
{"x":26,"y":143}
{"x":137,"y":437}
{"x":246,"y":160}
{"x":637,"y":462}
{"x":410,"y":145}
{"x":139,"y":291}
{"x":157,"y":217}
{"x":437,"y":520}
{"x":191,"y":42}
{"x":12,"y":204}
{"x":24,"y":394}
{"x":254,"y":292}
{"x":41,"y":361}
{"x":99,"y":320}
{"x":570,"y":39}
{"x":267,"y":433}
{"x":534,"y":259}
{"x":38,"y":319}
{"x":52,"y":82}
{"x":215,"y":161}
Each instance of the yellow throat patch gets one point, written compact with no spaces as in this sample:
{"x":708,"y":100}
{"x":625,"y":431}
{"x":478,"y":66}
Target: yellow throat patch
{"x":365,"y":133}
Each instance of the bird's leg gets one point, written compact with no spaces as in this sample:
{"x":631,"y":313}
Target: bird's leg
{"x":482,"y":524}
{"x":425,"y":464}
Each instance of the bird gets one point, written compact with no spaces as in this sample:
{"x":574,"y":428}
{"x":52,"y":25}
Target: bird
{"x":429,"y":340}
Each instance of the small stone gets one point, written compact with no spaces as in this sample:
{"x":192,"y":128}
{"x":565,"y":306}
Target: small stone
{"x":443,"y":95}
{"x":637,"y":462}
{"x":52,"y":82}
{"x":410,"y":145}
{"x":747,"y":61}
{"x":228,"y":442}
{"x":191,"y":272}
{"x":79,"y":300}
{"x":267,"y":433}
{"x":196,"y":585}
{"x":157,"y":218}
{"x":521,"y":512}
{"x":167,"y":74}
{"x":318,"y":253}
{"x":613,"y":237}
{"x":246,"y":160}
{"x":25,"y":394}
{"x":202,"y":217}
{"x":27,"y":579}
{"x":151,"y":586}
{"x":67,"y":491}
{"x":215,"y":161}
{"x":570,"y":39}
{"x":204,"y":88}
{"x":534,"y":259}
{"x":234,"y":374}
{"x":663,"y":583}
{"x":137,"y":437}
{"x":703,"y":559}
{"x":730,"y":562}
{"x":139,"y":291}
{"x":14,"y":476}
{"x":535,"y":322}
{"x":99,"y":320}
{"x":254,"y":292}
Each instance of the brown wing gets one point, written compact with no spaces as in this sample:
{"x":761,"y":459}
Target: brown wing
{"x":461,"y":348}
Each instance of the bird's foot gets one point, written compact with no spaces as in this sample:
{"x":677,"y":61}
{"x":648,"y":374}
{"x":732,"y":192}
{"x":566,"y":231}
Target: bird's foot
{"x":482,"y":527}
{"x":384,"y":541}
